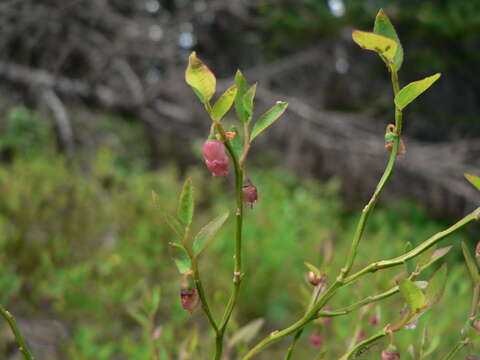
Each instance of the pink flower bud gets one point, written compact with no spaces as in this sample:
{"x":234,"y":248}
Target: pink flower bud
{"x":316,"y":340}
{"x":250,"y":194}
{"x":190,"y":299}
{"x":316,"y":280}
{"x":373,"y":320}
{"x":477,"y":251}
{"x":215,"y":157}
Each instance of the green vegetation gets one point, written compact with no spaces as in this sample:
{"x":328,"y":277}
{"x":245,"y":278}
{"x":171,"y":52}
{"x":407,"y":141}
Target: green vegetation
{"x":87,"y":247}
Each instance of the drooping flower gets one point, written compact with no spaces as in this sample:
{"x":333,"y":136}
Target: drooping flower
{"x":190,"y":299}
{"x":215,"y":157}
{"x":250,"y":193}
{"x":316,"y":339}
{"x":391,"y":353}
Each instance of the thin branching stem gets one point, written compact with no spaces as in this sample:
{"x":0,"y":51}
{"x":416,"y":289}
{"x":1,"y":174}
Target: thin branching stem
{"x":237,"y":271}
{"x":22,"y":344}
{"x":457,"y":348}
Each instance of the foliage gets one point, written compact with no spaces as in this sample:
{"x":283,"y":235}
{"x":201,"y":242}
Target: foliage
{"x":109,"y":248}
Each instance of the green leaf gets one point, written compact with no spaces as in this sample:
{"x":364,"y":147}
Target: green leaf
{"x":242,"y":87}
{"x":224,"y":103}
{"x":425,"y":257}
{"x":181,"y":258}
{"x":200,"y":78}
{"x":471,"y":265}
{"x":248,"y":101}
{"x":382,"y":45}
{"x":437,"y":255}
{"x":413,"y":90}
{"x":174,"y":225}
{"x":169,"y":219}
{"x":268,"y":118}
{"x":383,"y":26}
{"x":313,"y":268}
{"x":236,"y":142}
{"x":412,"y":295}
{"x":185,"y":203}
{"x":474,"y":180}
{"x":436,"y":286}
{"x":208,"y":232}
{"x":246,"y":333}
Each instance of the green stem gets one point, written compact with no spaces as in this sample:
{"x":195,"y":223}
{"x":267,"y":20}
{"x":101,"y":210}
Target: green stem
{"x":457,"y":348}
{"x":312,"y":314}
{"x":237,"y":271}
{"x":399,"y":260}
{"x":22,"y":344}
{"x":363,"y":302}
{"x":316,"y":293}
{"x":297,"y":336}
{"x":199,"y":286}
{"x":378,"y":190}
{"x":362,"y":346}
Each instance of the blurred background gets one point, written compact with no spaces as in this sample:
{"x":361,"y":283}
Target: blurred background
{"x":95,"y":113}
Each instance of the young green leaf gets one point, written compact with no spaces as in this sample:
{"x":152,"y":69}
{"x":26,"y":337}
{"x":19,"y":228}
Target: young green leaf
{"x":174,"y":225}
{"x":313,"y":268}
{"x":375,"y":42}
{"x":383,"y":26}
{"x":436,"y":286}
{"x":268,"y":118}
{"x":412,"y":295}
{"x":248,"y":101}
{"x":437,"y":255}
{"x":471,"y":265}
{"x":185,"y":203}
{"x":169,"y":219}
{"x":413,"y":90}
{"x":425,"y":257}
{"x":200,"y":78}
{"x":224,"y":103}
{"x":207,"y":233}
{"x":236,"y":142}
{"x":474,"y":180}
{"x":181,"y":258}
{"x":242,"y":87}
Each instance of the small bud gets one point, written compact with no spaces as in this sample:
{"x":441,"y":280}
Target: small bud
{"x":316,"y":280}
{"x":391,"y":353}
{"x":230,"y":134}
{"x":215,"y":157}
{"x":313,"y":278}
{"x":373,"y":320}
{"x":190,"y":299}
{"x":362,"y":335}
{"x":250,"y":194}
{"x":477,"y":251}
{"x":316,"y":340}
{"x":401,"y":147}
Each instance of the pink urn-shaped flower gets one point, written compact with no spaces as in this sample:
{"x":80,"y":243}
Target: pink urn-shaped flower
{"x":215,"y":157}
{"x":189,"y":299}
